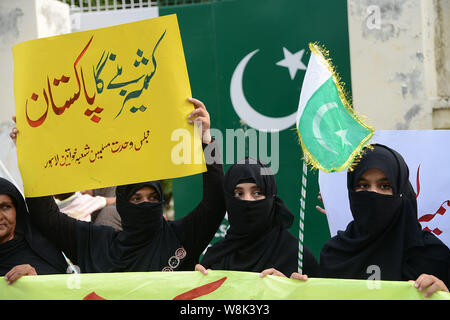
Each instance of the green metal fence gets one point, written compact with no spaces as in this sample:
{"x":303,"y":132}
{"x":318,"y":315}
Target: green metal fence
{"x":105,"y":5}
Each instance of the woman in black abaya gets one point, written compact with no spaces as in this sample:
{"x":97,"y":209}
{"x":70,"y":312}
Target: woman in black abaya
{"x":385,"y":232}
{"x":147,"y":242}
{"x":258,"y":238}
{"x":23,"y":249}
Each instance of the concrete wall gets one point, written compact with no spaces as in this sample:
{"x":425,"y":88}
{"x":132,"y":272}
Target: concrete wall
{"x":441,"y":111}
{"x":400,"y":62}
{"x":22,"y":20}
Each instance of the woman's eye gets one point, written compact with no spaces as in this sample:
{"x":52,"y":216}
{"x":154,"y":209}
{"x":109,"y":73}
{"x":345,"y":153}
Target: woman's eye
{"x":362,"y":186}
{"x":385,"y":186}
{"x":258,"y":194}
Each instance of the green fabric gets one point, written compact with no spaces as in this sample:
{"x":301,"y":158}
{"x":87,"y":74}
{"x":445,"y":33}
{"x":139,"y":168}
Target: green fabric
{"x":233,"y":285}
{"x":216,"y":37}
{"x":330,"y":133}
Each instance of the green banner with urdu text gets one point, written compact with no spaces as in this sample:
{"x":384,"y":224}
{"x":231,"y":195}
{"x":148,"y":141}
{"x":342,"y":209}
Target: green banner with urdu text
{"x":190,"y":285}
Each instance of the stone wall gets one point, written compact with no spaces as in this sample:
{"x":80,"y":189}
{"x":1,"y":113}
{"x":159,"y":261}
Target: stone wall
{"x":400,"y":62}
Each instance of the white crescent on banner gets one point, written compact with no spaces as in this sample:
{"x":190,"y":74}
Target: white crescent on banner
{"x":246,"y":112}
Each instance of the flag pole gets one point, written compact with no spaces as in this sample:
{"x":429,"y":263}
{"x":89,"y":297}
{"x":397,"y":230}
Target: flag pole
{"x":302,"y":217}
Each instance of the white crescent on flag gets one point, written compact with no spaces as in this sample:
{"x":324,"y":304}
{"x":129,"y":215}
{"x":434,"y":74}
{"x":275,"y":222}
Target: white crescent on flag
{"x":428,"y":157}
{"x":316,"y":124}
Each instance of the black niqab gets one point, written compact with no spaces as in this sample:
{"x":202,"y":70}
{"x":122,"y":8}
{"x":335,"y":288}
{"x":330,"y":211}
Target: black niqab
{"x":385,"y":231}
{"x":146,"y":243}
{"x":28,"y":246}
{"x":258,"y":237}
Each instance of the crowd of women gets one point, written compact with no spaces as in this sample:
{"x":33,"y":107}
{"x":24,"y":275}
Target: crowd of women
{"x":36,"y":237}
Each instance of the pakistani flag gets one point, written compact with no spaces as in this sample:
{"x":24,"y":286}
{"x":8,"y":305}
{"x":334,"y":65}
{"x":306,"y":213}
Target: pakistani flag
{"x":330,"y":133}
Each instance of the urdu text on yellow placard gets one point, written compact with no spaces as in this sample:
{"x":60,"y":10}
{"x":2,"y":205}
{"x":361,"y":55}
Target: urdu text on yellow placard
{"x":98,"y":108}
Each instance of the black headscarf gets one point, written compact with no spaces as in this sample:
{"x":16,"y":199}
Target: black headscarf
{"x":384,"y":231}
{"x":146,"y":243}
{"x":28,"y":246}
{"x":258,"y":237}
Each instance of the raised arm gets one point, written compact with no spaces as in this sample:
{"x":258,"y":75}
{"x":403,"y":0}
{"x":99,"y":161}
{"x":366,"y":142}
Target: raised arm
{"x":197,"y":229}
{"x":199,"y":226}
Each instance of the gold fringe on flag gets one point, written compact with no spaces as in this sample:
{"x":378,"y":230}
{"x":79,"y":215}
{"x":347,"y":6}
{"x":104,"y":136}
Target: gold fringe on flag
{"x":354,"y":158}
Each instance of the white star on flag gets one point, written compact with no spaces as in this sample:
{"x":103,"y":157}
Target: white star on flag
{"x":333,"y":146}
{"x":292,"y":61}
{"x":343,"y":135}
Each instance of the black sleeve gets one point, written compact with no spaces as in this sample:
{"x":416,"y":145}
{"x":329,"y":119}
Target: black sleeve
{"x":197,"y":228}
{"x":310,"y":264}
{"x":55,"y":225}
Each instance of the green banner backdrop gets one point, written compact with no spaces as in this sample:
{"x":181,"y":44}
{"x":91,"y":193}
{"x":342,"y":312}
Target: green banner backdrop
{"x":266,"y":38}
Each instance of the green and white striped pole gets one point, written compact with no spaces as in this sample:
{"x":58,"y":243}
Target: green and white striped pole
{"x":302,"y":217}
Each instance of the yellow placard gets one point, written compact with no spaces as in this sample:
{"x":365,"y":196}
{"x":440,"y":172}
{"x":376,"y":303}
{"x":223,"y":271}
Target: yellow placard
{"x":103,"y":108}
